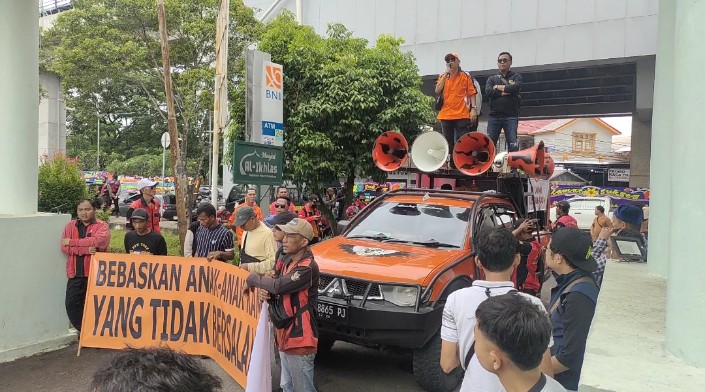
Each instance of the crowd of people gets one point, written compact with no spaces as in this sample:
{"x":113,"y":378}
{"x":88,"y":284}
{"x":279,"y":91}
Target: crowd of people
{"x":498,"y":330}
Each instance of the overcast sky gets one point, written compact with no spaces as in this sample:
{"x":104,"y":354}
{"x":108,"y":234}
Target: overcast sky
{"x":622,"y":124}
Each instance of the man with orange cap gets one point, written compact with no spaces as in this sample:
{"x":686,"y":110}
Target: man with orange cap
{"x":459,"y":111}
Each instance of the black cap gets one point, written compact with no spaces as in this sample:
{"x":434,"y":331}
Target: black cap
{"x":576,"y":246}
{"x":139,"y":213}
{"x":283,"y":218}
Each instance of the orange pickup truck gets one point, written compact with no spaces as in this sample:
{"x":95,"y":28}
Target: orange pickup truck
{"x":385,"y":279}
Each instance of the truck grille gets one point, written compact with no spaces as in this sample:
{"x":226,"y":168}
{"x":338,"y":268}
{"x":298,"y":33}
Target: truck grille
{"x":353,"y":287}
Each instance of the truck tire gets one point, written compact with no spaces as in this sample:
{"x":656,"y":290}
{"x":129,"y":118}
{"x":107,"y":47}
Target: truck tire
{"x":325,"y":344}
{"x":427,"y":368}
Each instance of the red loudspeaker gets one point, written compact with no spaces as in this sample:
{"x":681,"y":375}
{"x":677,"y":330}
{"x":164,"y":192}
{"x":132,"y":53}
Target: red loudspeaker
{"x":548,"y":168}
{"x":473,"y":153}
{"x":390,"y":151}
{"x":530,"y":160}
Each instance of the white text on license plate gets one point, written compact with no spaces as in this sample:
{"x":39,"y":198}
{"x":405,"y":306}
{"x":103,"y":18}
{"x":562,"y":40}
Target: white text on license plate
{"x":332,"y":312}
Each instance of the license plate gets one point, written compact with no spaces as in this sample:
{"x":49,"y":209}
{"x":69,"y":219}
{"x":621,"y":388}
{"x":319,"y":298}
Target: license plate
{"x":332,"y":312}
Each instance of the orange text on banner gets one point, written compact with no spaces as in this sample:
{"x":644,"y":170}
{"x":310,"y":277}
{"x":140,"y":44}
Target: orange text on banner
{"x":187,"y":304}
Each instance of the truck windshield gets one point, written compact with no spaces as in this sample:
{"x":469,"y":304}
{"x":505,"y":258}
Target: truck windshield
{"x":416,"y":224}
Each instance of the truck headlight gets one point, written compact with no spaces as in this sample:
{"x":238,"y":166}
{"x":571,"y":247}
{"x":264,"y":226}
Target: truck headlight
{"x":400,"y":295}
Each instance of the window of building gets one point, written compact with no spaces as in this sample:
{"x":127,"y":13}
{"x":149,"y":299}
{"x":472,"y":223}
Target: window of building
{"x":583,"y":142}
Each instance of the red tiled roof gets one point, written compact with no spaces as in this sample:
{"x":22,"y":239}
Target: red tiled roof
{"x":530,"y":126}
{"x":536,"y":127}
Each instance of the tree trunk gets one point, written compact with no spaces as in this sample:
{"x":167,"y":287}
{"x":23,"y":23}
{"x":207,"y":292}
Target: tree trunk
{"x":177,"y":166}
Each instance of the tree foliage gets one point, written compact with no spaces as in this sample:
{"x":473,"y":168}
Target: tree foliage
{"x":109,"y":58}
{"x":61,"y":185}
{"x":340,"y":95}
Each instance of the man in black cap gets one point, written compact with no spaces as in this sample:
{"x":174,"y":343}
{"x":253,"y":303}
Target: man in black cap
{"x":258,"y":248}
{"x":573,"y":301}
{"x":142,"y":239}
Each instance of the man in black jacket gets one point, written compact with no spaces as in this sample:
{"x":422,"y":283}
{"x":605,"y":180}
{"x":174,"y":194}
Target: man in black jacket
{"x":503,"y":90}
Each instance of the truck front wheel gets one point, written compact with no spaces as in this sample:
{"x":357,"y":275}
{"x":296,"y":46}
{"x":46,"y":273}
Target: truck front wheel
{"x":427,"y":368}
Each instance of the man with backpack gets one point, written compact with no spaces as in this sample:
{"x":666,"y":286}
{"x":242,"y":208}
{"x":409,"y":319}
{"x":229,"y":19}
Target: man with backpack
{"x":497,"y":257}
{"x":292,"y":292}
{"x":573,"y":301}
{"x":504,"y":91}
{"x":457,"y":95}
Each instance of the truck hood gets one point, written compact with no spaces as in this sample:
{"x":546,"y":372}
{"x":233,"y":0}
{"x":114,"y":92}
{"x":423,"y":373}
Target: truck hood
{"x":379,"y":261}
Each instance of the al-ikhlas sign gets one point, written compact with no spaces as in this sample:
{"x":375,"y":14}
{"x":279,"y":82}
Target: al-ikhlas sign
{"x":257,"y":164}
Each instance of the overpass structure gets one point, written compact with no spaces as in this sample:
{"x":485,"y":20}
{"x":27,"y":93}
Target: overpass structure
{"x":578,"y":58}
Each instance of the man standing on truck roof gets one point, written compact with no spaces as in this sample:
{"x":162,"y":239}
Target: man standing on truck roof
{"x":497,"y":257}
{"x":459,"y":111}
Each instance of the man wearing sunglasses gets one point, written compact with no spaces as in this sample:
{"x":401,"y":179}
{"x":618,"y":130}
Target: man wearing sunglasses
{"x":147,"y":188}
{"x":281,"y":192}
{"x":459,"y":111}
{"x":504,"y":91}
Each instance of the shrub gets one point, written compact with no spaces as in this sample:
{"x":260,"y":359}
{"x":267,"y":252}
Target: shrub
{"x":61,"y":185}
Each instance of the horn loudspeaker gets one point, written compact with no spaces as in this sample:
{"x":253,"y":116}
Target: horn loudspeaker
{"x":391,"y":151}
{"x":473,"y":153}
{"x":548,"y":167}
{"x":530,"y":160}
{"x":430,"y":151}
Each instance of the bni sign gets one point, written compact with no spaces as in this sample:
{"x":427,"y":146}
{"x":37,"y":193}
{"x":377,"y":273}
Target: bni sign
{"x":272,"y":104}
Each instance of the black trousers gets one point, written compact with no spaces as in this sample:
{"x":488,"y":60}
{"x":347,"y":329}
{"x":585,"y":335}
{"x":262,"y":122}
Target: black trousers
{"x":75,"y":299}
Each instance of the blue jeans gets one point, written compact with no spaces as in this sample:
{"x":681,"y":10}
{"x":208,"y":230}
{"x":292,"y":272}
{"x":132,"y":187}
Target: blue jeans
{"x":495,"y":125}
{"x":297,"y":372}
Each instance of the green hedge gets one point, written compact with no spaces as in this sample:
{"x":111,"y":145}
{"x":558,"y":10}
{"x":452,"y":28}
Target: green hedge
{"x":61,"y":185}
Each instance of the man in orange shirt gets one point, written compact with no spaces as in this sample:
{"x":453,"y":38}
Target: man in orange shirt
{"x":459,"y":111}
{"x":600,"y":222}
{"x":250,"y":200}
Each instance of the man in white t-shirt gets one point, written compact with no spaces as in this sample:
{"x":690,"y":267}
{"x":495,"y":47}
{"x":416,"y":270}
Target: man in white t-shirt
{"x":496,"y":255}
{"x":511,"y":336}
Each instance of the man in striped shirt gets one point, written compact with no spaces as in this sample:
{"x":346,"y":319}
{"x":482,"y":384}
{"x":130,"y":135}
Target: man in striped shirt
{"x":213,"y":240}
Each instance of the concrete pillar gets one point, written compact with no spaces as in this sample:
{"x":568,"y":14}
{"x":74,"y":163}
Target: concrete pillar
{"x":685,"y":305}
{"x":662,"y":126}
{"x":641,"y":153}
{"x":19,"y":99}
{"x":33,"y":278}
{"x":52,"y":117}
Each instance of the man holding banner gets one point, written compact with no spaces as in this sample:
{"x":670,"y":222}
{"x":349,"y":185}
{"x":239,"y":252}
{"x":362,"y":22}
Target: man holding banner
{"x":81,"y":239}
{"x":292,"y":294}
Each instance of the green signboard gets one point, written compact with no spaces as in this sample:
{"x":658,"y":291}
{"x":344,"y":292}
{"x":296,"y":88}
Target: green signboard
{"x":258,"y":164}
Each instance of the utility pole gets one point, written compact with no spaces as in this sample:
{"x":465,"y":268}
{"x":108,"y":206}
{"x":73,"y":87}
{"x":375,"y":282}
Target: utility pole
{"x":97,"y":155}
{"x":176,"y":164}
{"x":220,"y":96}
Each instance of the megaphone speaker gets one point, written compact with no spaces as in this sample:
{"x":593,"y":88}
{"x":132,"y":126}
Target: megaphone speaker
{"x":531,"y":160}
{"x":390,"y":151}
{"x":473,"y":153}
{"x":430,"y":151}
{"x":548,"y":167}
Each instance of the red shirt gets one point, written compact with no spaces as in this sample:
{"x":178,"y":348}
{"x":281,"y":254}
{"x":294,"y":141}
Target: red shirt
{"x":152,"y":213}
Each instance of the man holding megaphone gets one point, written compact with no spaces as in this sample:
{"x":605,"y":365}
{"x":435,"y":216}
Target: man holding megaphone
{"x":457,"y":95}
